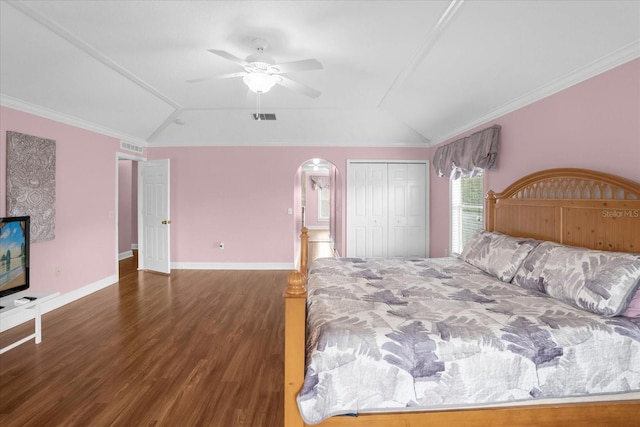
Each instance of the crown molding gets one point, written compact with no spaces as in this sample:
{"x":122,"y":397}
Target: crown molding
{"x":617,"y":58}
{"x":26,"y":107}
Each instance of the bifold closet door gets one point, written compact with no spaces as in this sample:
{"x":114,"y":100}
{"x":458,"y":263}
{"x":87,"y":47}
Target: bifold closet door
{"x":367,"y":227}
{"x":407,"y":210}
{"x":386,"y":210}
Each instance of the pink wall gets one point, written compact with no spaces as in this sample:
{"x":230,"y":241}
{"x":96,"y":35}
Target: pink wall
{"x":594,"y":125}
{"x":85,"y":244}
{"x":240,"y":195}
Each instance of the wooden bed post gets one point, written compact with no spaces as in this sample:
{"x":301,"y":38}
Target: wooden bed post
{"x":295,"y":302}
{"x":489,"y":211}
{"x":304,"y":251}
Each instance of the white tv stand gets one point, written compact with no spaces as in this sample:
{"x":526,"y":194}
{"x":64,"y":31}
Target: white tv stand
{"x":10,"y":309}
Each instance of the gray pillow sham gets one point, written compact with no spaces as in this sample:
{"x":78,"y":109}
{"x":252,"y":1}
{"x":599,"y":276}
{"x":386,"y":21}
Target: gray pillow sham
{"x":597,"y":281}
{"x":497,"y":254}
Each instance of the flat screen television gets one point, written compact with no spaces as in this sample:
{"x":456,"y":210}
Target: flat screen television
{"x":14,"y":254}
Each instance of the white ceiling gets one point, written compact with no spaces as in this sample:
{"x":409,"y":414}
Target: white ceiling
{"x":395,"y":73}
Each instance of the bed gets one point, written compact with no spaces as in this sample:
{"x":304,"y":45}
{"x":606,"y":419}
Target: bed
{"x":552,"y":214}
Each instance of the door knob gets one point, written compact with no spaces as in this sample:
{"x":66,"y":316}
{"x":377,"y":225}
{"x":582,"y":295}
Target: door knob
{"x":166,"y":222}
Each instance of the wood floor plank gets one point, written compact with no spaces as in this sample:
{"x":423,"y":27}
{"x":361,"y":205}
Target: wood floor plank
{"x":195,"y":348}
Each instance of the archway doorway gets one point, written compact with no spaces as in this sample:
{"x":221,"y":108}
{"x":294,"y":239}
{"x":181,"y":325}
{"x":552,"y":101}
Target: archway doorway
{"x":318,"y":206}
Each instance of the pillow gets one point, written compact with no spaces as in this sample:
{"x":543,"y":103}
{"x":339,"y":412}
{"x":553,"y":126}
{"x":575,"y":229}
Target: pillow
{"x":530,"y":275}
{"x":496,"y":253}
{"x":597,"y":281}
{"x":633,"y":309}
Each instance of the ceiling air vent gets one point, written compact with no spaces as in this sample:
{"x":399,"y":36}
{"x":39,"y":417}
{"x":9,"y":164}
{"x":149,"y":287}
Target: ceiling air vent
{"x":131,"y":147}
{"x":268,"y":116}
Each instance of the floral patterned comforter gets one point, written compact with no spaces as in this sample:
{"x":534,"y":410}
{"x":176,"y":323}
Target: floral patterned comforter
{"x":435,"y":333}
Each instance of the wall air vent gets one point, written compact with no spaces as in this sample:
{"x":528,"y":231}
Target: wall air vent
{"x":267,"y":116}
{"x":131,"y":147}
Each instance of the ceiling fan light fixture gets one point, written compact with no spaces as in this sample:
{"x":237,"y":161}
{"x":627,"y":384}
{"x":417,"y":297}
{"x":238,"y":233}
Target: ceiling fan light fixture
{"x":260,"y":82}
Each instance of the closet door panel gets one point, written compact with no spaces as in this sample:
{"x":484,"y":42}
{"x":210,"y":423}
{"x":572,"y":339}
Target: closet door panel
{"x":377,"y":239}
{"x":377,"y":210}
{"x":356,"y":211}
{"x":417,"y":199}
{"x":367,"y":210}
{"x":398,"y":175}
{"x":407,"y":204}
{"x":417,"y":210}
{"x":359,"y":243}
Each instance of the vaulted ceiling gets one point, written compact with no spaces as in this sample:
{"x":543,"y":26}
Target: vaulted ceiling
{"x":394,"y":73}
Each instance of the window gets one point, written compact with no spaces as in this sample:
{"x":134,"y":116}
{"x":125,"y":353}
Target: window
{"x":467,"y":207}
{"x":323,"y":204}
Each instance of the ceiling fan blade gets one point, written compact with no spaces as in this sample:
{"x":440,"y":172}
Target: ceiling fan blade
{"x":222,"y":76}
{"x":230,"y":75}
{"x":303,"y":65}
{"x":226,"y":55}
{"x":298,"y":87}
{"x":201,"y":79}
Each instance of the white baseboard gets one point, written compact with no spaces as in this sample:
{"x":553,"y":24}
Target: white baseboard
{"x":232,"y":266}
{"x":25,"y":315}
{"x":317,"y":227}
{"x":125,"y":255}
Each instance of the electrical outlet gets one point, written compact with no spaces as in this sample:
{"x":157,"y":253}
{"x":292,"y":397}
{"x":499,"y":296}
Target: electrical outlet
{"x":221,"y":245}
{"x":57,"y":271}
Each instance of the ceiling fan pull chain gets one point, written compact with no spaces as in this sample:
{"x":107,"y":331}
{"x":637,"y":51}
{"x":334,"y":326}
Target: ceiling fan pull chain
{"x":258,"y":105}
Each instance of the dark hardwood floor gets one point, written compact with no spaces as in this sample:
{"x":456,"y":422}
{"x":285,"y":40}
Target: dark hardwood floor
{"x":195,"y":348}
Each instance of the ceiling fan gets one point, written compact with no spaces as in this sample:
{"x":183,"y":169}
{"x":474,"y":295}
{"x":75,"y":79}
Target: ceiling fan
{"x":261,"y":72}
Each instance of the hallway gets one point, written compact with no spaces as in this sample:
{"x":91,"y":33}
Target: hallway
{"x":319,"y":244}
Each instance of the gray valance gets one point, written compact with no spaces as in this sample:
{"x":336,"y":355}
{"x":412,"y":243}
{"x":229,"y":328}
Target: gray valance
{"x":320,"y":182}
{"x":468,"y":156}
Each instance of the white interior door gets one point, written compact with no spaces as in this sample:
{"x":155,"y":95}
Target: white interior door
{"x":407,"y":210}
{"x":155,"y":219}
{"x":367,"y":210}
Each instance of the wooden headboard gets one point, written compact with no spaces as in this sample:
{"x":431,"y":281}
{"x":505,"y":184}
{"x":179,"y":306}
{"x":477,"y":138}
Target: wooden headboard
{"x":575,"y":207}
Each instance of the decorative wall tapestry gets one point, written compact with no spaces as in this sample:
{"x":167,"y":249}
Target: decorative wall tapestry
{"x":31,"y":182}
